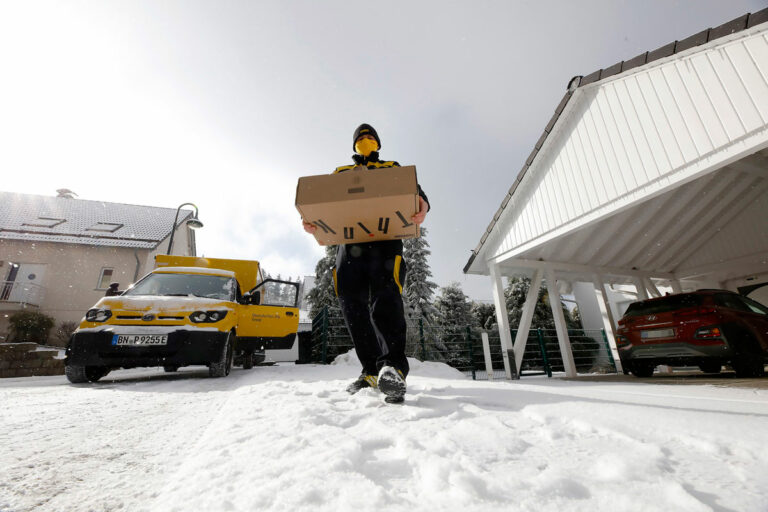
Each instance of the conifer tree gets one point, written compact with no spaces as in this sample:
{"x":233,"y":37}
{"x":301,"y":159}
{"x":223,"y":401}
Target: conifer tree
{"x":454,"y":316}
{"x":453,"y":307}
{"x":515,"y":295}
{"x":418,"y":289}
{"x":323,"y":294}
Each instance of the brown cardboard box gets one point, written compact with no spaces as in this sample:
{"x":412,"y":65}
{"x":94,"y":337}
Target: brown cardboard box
{"x":360,"y":205}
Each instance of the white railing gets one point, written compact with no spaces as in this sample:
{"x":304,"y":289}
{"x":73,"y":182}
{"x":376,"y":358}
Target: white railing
{"x":21,"y":293}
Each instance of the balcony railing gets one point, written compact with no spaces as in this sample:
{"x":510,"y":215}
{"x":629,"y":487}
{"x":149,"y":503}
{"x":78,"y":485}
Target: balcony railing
{"x":21,"y":293}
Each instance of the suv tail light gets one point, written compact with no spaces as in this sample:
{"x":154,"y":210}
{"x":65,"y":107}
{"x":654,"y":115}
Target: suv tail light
{"x":709,"y":332}
{"x":622,"y":341}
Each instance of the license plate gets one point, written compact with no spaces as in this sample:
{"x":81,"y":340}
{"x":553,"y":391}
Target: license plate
{"x":139,"y":339}
{"x":657,"y":333}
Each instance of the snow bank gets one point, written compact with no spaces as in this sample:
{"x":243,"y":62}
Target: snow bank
{"x":417,"y":368}
{"x":289,"y":438}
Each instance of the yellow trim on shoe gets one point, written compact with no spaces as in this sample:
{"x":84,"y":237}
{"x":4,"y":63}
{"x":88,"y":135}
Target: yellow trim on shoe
{"x":372,"y":380}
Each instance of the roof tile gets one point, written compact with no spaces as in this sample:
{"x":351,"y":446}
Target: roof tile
{"x":634,"y":62}
{"x":661,"y":52}
{"x":756,"y":18}
{"x":693,"y":41}
{"x":592,"y":77}
{"x":729,"y":28}
{"x":611,"y":70}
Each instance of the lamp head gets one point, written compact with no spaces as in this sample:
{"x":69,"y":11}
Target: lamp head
{"x":194,"y":223}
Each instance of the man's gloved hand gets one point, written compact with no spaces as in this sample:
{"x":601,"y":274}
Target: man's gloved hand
{"x":418,"y":218}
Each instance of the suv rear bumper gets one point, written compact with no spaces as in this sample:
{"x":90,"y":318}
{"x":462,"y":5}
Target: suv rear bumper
{"x":679,"y":353}
{"x":186,"y":346}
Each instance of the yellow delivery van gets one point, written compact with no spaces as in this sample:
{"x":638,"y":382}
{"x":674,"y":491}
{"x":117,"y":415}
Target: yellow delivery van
{"x":187,"y":311}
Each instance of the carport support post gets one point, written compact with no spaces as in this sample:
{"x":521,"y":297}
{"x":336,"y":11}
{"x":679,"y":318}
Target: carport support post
{"x":609,"y":325}
{"x":502,"y":318}
{"x":562,"y":329}
{"x":642,"y":293}
{"x":521,"y":338}
{"x":652,"y":287}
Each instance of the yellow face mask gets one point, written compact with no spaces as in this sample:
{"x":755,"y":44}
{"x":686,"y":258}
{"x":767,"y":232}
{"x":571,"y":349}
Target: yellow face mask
{"x":366,"y":146}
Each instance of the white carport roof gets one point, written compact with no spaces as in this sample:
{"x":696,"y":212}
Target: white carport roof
{"x":653,"y":167}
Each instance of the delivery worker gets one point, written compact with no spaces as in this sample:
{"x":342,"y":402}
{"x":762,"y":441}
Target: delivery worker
{"x":369,"y":280}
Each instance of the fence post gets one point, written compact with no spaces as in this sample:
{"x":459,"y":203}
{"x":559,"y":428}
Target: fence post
{"x":471,"y":352}
{"x":421,"y":339}
{"x":544,"y":357}
{"x":324,"y":334}
{"x":608,"y":348}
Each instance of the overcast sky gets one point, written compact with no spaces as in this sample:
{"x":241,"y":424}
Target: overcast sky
{"x":227,"y":104}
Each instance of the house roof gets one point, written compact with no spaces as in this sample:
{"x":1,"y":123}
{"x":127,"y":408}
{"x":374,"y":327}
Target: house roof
{"x":736,"y":25}
{"x":37,"y":218}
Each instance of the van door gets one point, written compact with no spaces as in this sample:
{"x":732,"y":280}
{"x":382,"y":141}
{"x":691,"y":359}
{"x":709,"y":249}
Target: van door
{"x":270,"y":316}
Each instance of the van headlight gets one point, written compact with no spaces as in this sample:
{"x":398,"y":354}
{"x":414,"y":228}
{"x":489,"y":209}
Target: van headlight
{"x":98,"y":315}
{"x":200,"y":317}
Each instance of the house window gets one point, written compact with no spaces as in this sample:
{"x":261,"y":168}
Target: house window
{"x":105,"y":227}
{"x":44,"y":222}
{"x":105,"y":278}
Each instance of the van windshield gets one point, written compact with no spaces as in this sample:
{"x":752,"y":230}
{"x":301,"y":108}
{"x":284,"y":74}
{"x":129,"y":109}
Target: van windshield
{"x":184,"y":285}
{"x":663,"y":305}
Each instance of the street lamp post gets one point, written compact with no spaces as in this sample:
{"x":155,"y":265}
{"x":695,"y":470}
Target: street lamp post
{"x":193,"y":223}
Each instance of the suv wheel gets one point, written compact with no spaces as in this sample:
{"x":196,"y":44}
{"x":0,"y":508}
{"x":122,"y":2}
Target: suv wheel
{"x":710,"y":367}
{"x":642,"y":369}
{"x":223,"y":366}
{"x":748,"y":365}
{"x":749,"y":361}
{"x":77,"y":374}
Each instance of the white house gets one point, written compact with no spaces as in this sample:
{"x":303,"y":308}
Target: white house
{"x":653,"y":171}
{"x":58,"y":255}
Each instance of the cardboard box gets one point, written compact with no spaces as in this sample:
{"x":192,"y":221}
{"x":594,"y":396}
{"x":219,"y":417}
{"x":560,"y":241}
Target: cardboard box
{"x":360,"y":205}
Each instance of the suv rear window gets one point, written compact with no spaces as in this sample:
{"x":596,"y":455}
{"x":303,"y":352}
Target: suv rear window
{"x":663,"y":305}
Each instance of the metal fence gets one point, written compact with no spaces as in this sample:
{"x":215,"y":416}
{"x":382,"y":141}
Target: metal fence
{"x":590,"y":348}
{"x":451,"y":344}
{"x":460,"y":346}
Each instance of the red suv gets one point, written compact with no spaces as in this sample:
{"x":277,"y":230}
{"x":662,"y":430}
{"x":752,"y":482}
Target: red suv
{"x":705,"y":328}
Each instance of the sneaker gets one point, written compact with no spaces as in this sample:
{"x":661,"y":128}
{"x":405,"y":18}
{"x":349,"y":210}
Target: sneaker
{"x":363,"y":381}
{"x":392,"y":384}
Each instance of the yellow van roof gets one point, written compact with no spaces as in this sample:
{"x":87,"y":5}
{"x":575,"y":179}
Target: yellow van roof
{"x":246,"y":271}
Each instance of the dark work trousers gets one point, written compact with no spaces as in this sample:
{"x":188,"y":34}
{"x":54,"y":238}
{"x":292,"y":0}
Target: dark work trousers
{"x":369,"y":279}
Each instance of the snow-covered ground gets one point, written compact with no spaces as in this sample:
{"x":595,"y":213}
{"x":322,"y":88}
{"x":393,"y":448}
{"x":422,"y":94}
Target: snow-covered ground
{"x":289,"y":438}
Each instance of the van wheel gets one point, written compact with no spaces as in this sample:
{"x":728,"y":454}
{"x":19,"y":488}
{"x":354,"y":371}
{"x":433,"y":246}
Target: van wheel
{"x":170,"y":369}
{"x":77,"y":374}
{"x":247,"y":360}
{"x":642,"y":369}
{"x":223,"y":366}
{"x":710,"y":367}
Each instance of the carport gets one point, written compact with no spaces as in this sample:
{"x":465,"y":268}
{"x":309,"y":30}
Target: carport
{"x":652,"y":172}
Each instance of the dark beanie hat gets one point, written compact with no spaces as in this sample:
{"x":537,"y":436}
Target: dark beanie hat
{"x":365,"y":129}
